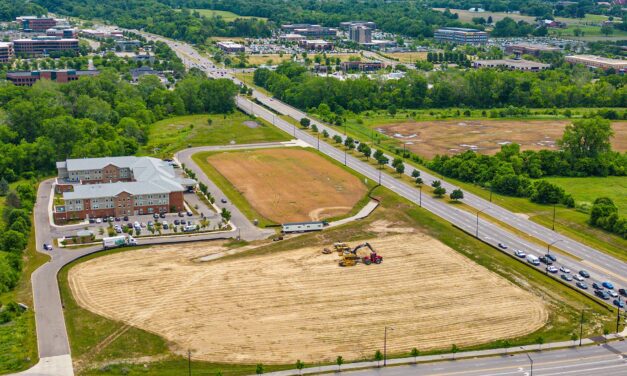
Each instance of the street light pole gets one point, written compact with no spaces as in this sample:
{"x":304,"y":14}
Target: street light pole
{"x":553,"y":217}
{"x":548,"y":246}
{"x":345,"y":157}
{"x":581,"y":327}
{"x":420,"y":189}
{"x":385,"y":346}
{"x":618,"y":315}
{"x":379,"y":176}
{"x":318,"y":141}
{"x":531,"y":362}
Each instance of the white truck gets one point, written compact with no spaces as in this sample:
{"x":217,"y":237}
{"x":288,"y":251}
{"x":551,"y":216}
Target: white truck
{"x":533,"y":260}
{"x":118,"y":241}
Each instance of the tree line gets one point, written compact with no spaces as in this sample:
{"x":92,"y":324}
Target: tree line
{"x":480,"y":88}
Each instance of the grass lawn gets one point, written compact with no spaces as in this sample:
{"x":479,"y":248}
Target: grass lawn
{"x":170,"y":135}
{"x":590,"y":188}
{"x":226,"y":15}
{"x":86,"y":330}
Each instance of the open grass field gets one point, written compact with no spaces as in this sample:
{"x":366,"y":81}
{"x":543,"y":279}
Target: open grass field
{"x":172,"y":134}
{"x":290,"y":185}
{"x":226,"y":15}
{"x":408,"y":57}
{"x":467,"y":16}
{"x":485,"y":136}
{"x":234,"y":308}
{"x":590,"y":188}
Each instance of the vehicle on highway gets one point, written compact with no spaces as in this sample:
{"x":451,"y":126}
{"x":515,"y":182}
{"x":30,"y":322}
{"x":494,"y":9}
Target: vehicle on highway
{"x":584,"y":274}
{"x":619,"y":303}
{"x":602,"y":294}
{"x":502,"y":246}
{"x":533,"y":260}
{"x":582,"y":285}
{"x":578,"y":277}
{"x":546,"y":260}
{"x":608,"y":285}
{"x":596,"y":286}
{"x":47,"y":247}
{"x":567,"y":277}
{"x":520,"y":253}
{"x":564,"y":269}
{"x":118,"y":241}
{"x":551,"y":257}
{"x":612,"y":293}
{"x":623,"y":292}
{"x":551,"y":269}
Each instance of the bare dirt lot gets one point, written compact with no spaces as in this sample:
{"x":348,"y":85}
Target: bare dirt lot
{"x":299,"y":304}
{"x":429,"y":138}
{"x":290,"y":185}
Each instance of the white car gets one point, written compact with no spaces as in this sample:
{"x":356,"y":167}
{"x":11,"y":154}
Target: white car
{"x":520,"y":253}
{"x":578,"y":277}
{"x":612,"y":293}
{"x":98,"y":220}
{"x":551,"y":269}
{"x":564,"y":269}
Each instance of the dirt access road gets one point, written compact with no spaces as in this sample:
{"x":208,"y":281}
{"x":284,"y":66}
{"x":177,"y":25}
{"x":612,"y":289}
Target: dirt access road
{"x":299,"y":304}
{"x":290,"y":185}
{"x":428,"y":138}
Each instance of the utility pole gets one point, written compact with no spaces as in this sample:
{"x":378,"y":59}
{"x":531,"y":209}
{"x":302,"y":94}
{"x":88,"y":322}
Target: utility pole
{"x":553,"y":216}
{"x":385,"y":346}
{"x":531,"y":362}
{"x":345,"y":156}
{"x":480,"y":211}
{"x":420,"y":189}
{"x":490,"y":192}
{"x":581,"y":327}
{"x":318,"y":141}
{"x":549,"y":245}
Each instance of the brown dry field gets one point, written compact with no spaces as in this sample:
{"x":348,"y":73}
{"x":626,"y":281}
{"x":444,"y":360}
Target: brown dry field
{"x":290,"y":185}
{"x":299,"y":304}
{"x":408,"y":57}
{"x":429,"y":138}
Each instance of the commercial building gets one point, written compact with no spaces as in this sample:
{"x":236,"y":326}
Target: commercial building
{"x":6,"y":52}
{"x":364,"y":66}
{"x":598,"y":62}
{"x":28,"y":78}
{"x":291,"y":37}
{"x":310,"y":31}
{"x":316,"y":45}
{"x":102,"y":33}
{"x":138,"y":73}
{"x":512,"y":64}
{"x":347,"y":24}
{"x":62,"y":33}
{"x":127,"y":45}
{"x":461,"y":35}
{"x":529,"y":49}
{"x":118,"y":186}
{"x":360,"y":34}
{"x":39,"y":46}
{"x":231,"y":47}
{"x":36,"y":24}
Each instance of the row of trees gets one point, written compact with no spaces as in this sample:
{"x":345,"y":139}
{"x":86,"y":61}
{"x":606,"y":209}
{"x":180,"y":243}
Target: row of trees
{"x":604,"y":214}
{"x":481,"y":88}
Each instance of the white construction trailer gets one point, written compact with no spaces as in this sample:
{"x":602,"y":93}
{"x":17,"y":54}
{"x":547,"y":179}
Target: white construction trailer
{"x":302,"y":227}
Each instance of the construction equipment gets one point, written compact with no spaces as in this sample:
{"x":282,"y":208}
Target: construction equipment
{"x":341,"y":248}
{"x":326,"y":251}
{"x":349,"y":257}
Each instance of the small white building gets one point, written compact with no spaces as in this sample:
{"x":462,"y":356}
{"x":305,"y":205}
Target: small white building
{"x":302,"y":227}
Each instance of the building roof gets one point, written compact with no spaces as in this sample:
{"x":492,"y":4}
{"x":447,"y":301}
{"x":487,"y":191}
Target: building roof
{"x":460,"y":29}
{"x":598,"y":59}
{"x":513,"y":63}
{"x":46,"y":39}
{"x":151,"y":176}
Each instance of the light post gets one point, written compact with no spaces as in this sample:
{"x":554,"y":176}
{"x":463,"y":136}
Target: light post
{"x":189,"y":362}
{"x":581,"y":327}
{"x":480,"y":211}
{"x":385,"y":346}
{"x":294,"y":130}
{"x":345,"y":155}
{"x":420,"y":190}
{"x":379,"y":176}
{"x":548,"y":246}
{"x":531,"y":363}
{"x":318,"y":141}
{"x":553,"y":217}
{"x":618,"y":315}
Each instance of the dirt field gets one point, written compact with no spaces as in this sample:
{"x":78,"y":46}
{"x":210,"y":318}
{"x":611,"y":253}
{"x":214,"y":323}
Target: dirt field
{"x":408,"y":57}
{"x":299,"y":304}
{"x":290,"y":185}
{"x":486,"y":136}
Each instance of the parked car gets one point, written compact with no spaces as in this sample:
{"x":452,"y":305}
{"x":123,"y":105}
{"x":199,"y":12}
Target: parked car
{"x":223,"y":201}
{"x":155,"y":216}
{"x":142,"y":224}
{"x":619,"y":303}
{"x":117,"y":219}
{"x":181,"y":214}
{"x":137,"y":224}
{"x":567,"y":277}
{"x":551,"y":257}
{"x":165,"y":225}
{"x":584,"y":274}
{"x":608,"y":285}
{"x":111,"y":219}
{"x":98,"y":220}
{"x":623,"y":292}
{"x":118,"y":230}
{"x":564,"y":269}
{"x":582,"y":285}
{"x":551,"y":269}
{"x":520,"y":253}
{"x":177,"y":222}
{"x":578,"y":277}
{"x":125,"y":218}
{"x":189,"y":214}
{"x":92,"y":220}
{"x":596,"y":286}
{"x":502,"y":246}
{"x":161,"y":215}
{"x":47,"y":247}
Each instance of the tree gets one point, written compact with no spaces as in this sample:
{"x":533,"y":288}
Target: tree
{"x":392,"y":110}
{"x":587,"y":138}
{"x":4,"y":187}
{"x":305,"y":122}
{"x":12,"y":241}
{"x":349,"y":143}
{"x":457,"y":195}
{"x":439,"y":191}
{"x":574,"y":337}
{"x":418,"y":181}
{"x":259,"y":369}
{"x":325,"y":134}
{"x":377,"y":154}
{"x":314,"y":128}
{"x":378,"y":356}
{"x":414,"y":352}
{"x":299,"y":366}
{"x":436,"y":184}
{"x":337,"y":139}
{"x":339,"y":361}
{"x":454,"y":350}
{"x":607,"y":30}
{"x":400,"y":168}
{"x":415,"y":173}
{"x":226,"y":215}
{"x":540,"y":342}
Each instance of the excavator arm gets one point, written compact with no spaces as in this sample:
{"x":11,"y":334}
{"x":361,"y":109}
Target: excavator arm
{"x":367,"y":245}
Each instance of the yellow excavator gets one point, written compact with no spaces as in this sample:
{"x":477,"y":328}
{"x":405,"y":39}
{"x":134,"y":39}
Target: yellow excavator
{"x":350,"y":257}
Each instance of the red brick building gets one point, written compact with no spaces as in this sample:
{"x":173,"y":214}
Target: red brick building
{"x":39,"y":46}
{"x":118,"y":186}
{"x":28,"y":78}
{"x":36,"y":24}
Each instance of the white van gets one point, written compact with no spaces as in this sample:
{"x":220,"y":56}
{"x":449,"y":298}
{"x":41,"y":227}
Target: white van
{"x":533,"y":260}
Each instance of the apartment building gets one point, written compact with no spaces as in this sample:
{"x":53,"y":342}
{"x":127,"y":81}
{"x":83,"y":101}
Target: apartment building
{"x":39,"y":46}
{"x":363,"y":66}
{"x":118,"y":186}
{"x":461,"y":35}
{"x":28,"y":78}
{"x":360,"y":34}
{"x":6,"y":51}
{"x":35,"y":23}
